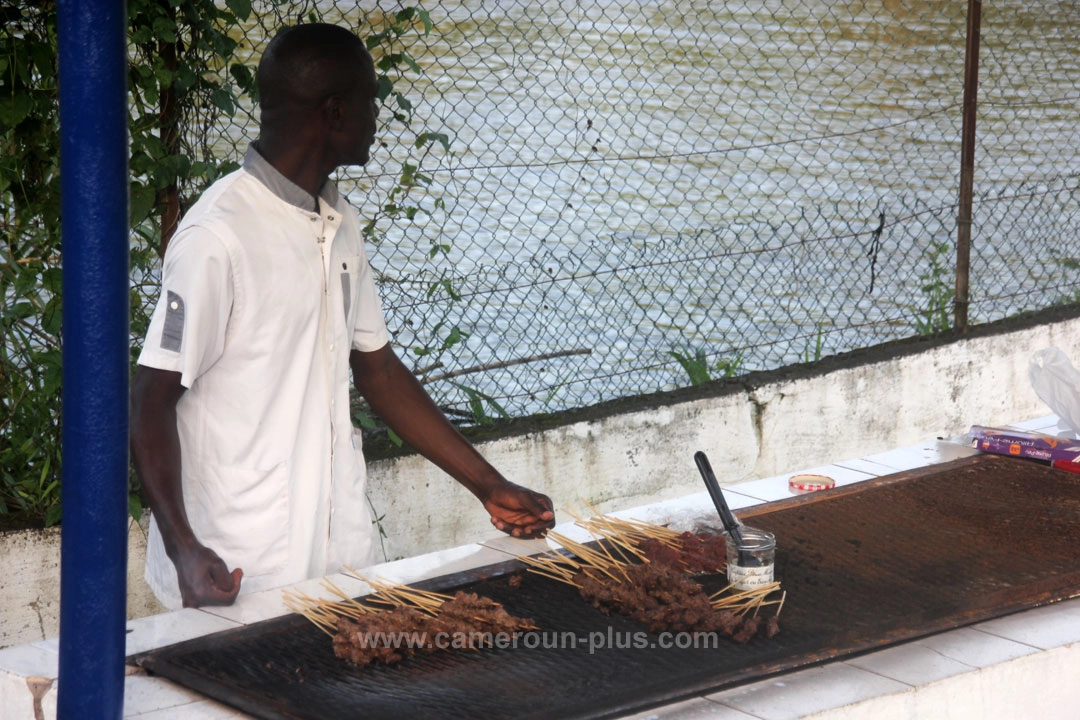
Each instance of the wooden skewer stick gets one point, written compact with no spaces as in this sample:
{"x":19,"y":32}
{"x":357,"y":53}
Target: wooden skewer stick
{"x":355,"y":608}
{"x":612,"y":562}
{"x":551,"y":569}
{"x":315,"y":615}
{"x":594,"y":560}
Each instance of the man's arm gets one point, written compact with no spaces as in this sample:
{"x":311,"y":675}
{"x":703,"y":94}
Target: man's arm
{"x":155,"y":447}
{"x":395,"y":394}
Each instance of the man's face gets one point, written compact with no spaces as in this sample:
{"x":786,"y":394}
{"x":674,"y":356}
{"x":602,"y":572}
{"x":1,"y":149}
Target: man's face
{"x":361,"y":111}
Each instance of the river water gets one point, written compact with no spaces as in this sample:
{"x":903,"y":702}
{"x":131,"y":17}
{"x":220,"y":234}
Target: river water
{"x":636,"y":178}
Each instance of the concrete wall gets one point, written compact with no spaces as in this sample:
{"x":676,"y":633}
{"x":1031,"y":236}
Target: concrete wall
{"x":30,"y":583}
{"x":635,"y":452}
{"x":639,"y":451}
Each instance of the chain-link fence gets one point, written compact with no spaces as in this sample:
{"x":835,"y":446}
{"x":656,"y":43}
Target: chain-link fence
{"x":637,"y":195}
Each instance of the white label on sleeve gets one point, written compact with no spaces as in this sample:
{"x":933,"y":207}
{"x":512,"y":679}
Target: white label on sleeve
{"x":172,"y":334}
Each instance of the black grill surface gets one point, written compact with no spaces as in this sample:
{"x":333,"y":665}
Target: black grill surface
{"x":864,"y":566}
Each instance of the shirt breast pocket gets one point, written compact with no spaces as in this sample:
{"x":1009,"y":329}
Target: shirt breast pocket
{"x":349,"y":279}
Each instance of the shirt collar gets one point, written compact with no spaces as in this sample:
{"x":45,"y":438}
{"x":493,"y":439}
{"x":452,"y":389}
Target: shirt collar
{"x":283,"y":187}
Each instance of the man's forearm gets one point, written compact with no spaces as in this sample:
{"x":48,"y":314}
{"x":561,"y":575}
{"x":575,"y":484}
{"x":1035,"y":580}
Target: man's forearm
{"x":155,"y":449}
{"x":395,"y":394}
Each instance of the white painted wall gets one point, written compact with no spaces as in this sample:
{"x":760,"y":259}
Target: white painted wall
{"x":766,"y":425}
{"x":30,"y":583}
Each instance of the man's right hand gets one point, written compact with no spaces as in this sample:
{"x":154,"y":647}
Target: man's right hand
{"x":205,"y":579}
{"x":155,"y":446}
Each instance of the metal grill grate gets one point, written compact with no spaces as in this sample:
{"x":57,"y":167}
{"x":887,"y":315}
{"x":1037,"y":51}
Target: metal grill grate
{"x":864,"y":566}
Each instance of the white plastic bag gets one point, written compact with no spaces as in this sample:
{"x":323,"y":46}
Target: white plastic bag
{"x":1057,"y":383}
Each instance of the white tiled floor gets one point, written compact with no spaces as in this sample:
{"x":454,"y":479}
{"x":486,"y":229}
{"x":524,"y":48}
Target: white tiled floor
{"x":271,"y":604}
{"x":696,"y":709}
{"x":1049,"y":424}
{"x":443,"y":562}
{"x":777,"y":487}
{"x":912,"y":664}
{"x":1045,"y":628}
{"x":808,"y":691}
{"x":30,"y":661}
{"x":204,"y":710}
{"x":922,"y":454}
{"x":975,"y":647}
{"x":145,"y":694}
{"x":168,"y":628}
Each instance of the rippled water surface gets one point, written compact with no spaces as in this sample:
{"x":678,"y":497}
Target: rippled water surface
{"x":636,"y":178}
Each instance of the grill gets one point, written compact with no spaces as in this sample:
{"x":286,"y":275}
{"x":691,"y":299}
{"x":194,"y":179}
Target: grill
{"x":864,"y":566}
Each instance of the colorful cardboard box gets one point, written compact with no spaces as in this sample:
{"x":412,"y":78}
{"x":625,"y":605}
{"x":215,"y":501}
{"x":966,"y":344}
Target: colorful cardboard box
{"x":1001,"y":441}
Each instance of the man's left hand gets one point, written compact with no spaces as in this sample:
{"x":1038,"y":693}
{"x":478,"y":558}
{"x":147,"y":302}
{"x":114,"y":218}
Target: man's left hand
{"x":519,"y":511}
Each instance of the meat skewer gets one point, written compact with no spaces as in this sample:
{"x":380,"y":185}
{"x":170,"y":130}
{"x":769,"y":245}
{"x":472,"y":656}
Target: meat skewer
{"x":649,"y":579}
{"x":414,"y":621}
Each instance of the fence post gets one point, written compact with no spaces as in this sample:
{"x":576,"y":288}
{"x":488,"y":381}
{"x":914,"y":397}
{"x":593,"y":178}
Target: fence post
{"x":92,"y":41}
{"x":967,"y":165}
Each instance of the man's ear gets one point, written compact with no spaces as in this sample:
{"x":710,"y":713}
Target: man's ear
{"x":334,"y":112}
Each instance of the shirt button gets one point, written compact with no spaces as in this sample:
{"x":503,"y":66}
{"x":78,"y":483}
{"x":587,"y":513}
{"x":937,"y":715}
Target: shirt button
{"x":315,"y":218}
{"x":331,"y":348}
{"x":330,"y":218}
{"x":174,"y":305}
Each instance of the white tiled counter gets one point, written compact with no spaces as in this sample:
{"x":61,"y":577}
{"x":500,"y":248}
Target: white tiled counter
{"x":1025,"y":665}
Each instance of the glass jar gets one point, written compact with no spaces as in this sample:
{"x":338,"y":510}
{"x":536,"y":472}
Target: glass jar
{"x":750,"y":564}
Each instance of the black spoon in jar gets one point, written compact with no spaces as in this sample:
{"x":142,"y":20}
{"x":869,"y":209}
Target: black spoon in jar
{"x":746,"y":558}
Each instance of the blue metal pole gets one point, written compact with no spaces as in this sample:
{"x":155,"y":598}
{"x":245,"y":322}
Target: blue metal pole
{"x":94,"y":223}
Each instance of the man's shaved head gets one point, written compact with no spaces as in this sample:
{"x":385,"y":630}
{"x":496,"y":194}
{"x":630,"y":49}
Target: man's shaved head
{"x":305,"y":64}
{"x":317,"y":102}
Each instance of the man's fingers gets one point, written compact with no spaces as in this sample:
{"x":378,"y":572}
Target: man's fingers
{"x":541,"y":507}
{"x":521,"y":512}
{"x":533,"y":531}
{"x":536,"y":504}
{"x":221,"y":578}
{"x":223,"y":586}
{"x":524,"y":530}
{"x":232,"y":584}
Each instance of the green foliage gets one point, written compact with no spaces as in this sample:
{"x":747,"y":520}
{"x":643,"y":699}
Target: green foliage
{"x":698,"y":369}
{"x":813,"y":354}
{"x":696,"y":365}
{"x":183,"y":76}
{"x":182,"y":72}
{"x":938,"y":290}
{"x":30,"y":371}
{"x":479,"y":403}
{"x":730,"y":367}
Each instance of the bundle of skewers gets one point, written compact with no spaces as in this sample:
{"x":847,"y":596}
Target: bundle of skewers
{"x":398,"y":621}
{"x":644,"y":571}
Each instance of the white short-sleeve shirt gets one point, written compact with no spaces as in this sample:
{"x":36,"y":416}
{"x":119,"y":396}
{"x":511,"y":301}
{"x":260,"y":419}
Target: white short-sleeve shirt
{"x":263,"y":297}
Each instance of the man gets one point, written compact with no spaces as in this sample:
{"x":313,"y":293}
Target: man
{"x":241,"y":432}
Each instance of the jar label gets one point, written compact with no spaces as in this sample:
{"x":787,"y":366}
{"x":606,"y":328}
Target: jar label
{"x":749,"y":578}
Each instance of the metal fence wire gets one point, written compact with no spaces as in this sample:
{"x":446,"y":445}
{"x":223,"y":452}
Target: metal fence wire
{"x":637,"y":195}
